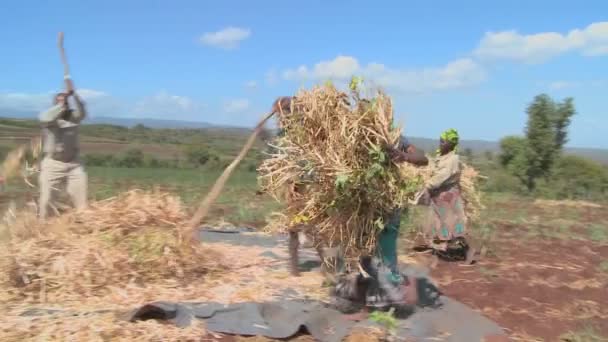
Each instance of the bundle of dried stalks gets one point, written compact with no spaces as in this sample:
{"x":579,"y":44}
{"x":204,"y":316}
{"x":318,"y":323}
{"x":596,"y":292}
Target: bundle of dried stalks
{"x":470,"y":193}
{"x":133,"y":209}
{"x":333,"y":162}
{"x":567,"y":203}
{"x":130,"y":239}
{"x":93,"y":326}
{"x":16,"y":161}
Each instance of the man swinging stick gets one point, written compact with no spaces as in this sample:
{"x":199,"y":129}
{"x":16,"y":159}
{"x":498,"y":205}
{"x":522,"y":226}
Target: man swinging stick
{"x":61,"y":162}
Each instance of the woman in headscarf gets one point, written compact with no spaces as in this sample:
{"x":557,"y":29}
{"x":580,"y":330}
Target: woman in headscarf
{"x":445,"y":226}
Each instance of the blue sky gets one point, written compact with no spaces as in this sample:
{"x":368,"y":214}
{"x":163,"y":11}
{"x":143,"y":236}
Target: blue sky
{"x":472,"y":65}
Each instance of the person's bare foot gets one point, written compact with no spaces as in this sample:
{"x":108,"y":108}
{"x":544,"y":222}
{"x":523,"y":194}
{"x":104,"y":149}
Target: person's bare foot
{"x":471,"y":256}
{"x":359,"y":316}
{"x":434,"y":261}
{"x":411,"y":291}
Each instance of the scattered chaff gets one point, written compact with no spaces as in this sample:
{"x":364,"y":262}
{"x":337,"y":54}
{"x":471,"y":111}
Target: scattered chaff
{"x":567,"y":203}
{"x":117,"y":254}
{"x":93,"y":326}
{"x":130,"y":239}
{"x":471,"y":195}
{"x":16,"y":161}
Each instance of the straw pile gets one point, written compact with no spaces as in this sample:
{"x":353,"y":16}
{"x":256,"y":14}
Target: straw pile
{"x":332,"y":161}
{"x":18,"y":160}
{"x":470,"y":193}
{"x":331,"y":169}
{"x":130,"y":239}
{"x":93,"y":327}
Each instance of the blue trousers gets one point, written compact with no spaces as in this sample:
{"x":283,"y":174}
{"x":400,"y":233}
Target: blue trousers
{"x":387,"y":241}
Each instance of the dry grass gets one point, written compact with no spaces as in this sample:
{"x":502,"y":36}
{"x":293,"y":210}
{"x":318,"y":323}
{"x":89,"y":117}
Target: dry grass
{"x":332,"y":170}
{"x":470,"y":193}
{"x":119,"y":253}
{"x":334,"y":149}
{"x":93,"y":327}
{"x":128,"y":239}
{"x":16,"y":162}
{"x":566,"y":203}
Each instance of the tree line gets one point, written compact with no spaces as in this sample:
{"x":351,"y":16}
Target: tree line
{"x":536,"y":160}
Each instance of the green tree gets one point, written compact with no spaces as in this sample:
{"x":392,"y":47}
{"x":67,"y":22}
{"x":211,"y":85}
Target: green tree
{"x":489,"y":155}
{"x":94,"y":159}
{"x":468,"y":155}
{"x":541,"y":149}
{"x":533,"y":157}
{"x":133,"y":158}
{"x":198,"y":156}
{"x":139,"y":128}
{"x":561,"y":122}
{"x":578,"y":177}
{"x":510,"y":147}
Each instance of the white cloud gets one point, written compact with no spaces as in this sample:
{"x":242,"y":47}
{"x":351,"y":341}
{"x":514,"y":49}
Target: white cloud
{"x":163,"y":104}
{"x":341,"y":67}
{"x":236,"y":105}
{"x":228,"y":38}
{"x":99,"y":103}
{"x":271,"y":77}
{"x":91,"y":94}
{"x":251,"y":84}
{"x":34,"y":102}
{"x":540,"y":47}
{"x":559,"y":85}
{"x":456,"y":74}
{"x":26,"y":101}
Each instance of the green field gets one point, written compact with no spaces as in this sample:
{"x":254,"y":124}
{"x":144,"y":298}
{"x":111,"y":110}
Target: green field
{"x":238,"y":203}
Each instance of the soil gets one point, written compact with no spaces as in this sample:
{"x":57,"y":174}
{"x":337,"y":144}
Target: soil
{"x":538,"y":290}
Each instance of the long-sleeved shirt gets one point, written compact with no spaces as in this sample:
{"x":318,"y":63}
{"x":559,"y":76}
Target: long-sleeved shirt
{"x":445,"y":172}
{"x":60,"y":132}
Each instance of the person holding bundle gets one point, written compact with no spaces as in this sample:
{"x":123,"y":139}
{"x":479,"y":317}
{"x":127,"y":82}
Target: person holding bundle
{"x":379,"y":283}
{"x":445,"y":225}
{"x":297,"y":235}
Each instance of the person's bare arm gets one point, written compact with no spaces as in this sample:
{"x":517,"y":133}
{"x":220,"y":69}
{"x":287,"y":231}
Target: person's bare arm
{"x":410,"y":155}
{"x":416,"y":156}
{"x":50,"y":116}
{"x":80,"y":112}
{"x":282,"y":105}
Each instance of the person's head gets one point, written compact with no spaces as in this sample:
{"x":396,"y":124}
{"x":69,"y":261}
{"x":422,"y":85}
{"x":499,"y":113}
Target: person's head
{"x":282,"y":105}
{"x":448,"y":141}
{"x":61,"y":98}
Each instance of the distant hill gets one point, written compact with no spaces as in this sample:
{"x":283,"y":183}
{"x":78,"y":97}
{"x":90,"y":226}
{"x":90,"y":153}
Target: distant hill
{"x":150,"y":123}
{"x":481,"y":146}
{"x":426,"y":144}
{"x":124,"y":122}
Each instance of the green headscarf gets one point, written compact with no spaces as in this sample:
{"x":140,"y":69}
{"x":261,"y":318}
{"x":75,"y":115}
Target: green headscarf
{"x":451,"y":136}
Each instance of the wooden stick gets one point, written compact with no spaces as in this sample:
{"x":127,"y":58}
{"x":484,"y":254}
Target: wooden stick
{"x":64,"y":59}
{"x":203,"y":209}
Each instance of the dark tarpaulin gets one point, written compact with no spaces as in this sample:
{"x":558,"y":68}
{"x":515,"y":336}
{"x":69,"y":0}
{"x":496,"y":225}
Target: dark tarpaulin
{"x":452,"y":322}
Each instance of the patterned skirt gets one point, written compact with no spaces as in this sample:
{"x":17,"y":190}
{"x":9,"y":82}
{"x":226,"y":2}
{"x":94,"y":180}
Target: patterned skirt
{"x":445,"y":219}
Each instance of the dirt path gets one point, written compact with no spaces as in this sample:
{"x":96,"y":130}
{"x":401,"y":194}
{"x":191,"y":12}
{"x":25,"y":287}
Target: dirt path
{"x":537,"y":291}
